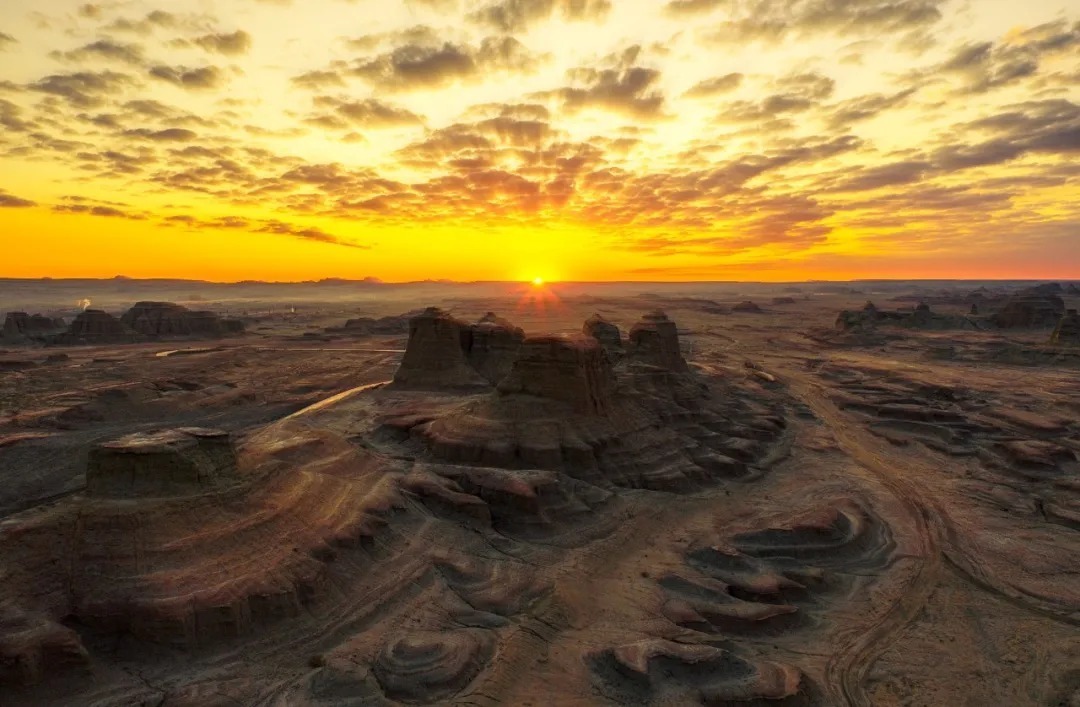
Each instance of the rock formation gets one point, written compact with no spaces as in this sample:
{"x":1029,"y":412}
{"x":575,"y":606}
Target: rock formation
{"x":435,"y":356}
{"x":166,"y":319}
{"x":605,"y":332}
{"x":1030,"y":309}
{"x":96,"y":326}
{"x":1067,"y":332}
{"x":869,"y":317}
{"x":575,"y":370}
{"x":166,"y":463}
{"x":746,"y":307}
{"x":655,"y":340}
{"x":20,"y":327}
{"x":492,"y":344}
{"x":783,"y":300}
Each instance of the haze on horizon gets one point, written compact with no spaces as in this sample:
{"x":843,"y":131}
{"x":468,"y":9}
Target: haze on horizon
{"x":579,"y":140}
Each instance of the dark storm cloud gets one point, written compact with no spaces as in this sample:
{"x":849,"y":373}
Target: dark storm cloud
{"x":205,"y":77}
{"x":773,"y":21}
{"x":518,"y":15}
{"x":715,"y":86}
{"x":370,"y":113}
{"x":431,"y":65}
{"x":85,"y":89}
{"x":10,"y":201}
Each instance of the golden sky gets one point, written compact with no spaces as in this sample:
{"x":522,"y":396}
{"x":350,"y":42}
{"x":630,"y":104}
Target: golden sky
{"x":563,"y":139}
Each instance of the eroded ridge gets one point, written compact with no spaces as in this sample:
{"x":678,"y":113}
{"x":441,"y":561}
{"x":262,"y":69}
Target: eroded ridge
{"x":408,"y":537}
{"x":1007,"y":466}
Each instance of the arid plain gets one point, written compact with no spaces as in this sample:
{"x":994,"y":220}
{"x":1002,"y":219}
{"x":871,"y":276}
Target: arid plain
{"x":752,"y":499}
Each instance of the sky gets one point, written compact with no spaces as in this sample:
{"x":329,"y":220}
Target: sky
{"x":659,"y":140}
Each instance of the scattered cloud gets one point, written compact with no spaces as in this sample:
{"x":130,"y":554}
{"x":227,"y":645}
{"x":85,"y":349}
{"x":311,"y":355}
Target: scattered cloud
{"x":206,"y":77}
{"x":10,"y":201}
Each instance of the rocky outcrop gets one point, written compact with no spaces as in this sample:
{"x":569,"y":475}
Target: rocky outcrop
{"x":435,"y":356}
{"x":746,"y":307}
{"x":605,"y":332}
{"x":20,"y":325}
{"x":573,"y":369}
{"x":167,"y":463}
{"x":1030,"y":310}
{"x":783,"y":300}
{"x":167,"y":319}
{"x":655,"y":340}
{"x":869,"y":317}
{"x":1067,"y":332}
{"x":96,"y":326}
{"x":491,"y":346}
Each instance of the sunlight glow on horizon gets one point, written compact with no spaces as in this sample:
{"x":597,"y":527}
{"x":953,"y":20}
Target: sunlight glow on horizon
{"x":471,"y":140}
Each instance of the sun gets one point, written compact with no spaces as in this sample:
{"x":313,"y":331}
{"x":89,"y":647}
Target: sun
{"x":537,"y":281}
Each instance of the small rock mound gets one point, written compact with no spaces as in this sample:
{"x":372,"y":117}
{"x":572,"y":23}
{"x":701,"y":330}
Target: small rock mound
{"x":427,"y":666}
{"x":435,"y":356}
{"x":575,"y":370}
{"x":783,"y":300}
{"x":605,"y":332}
{"x":747,"y":307}
{"x":1067,"y":332}
{"x":166,"y":463}
{"x":655,"y":340}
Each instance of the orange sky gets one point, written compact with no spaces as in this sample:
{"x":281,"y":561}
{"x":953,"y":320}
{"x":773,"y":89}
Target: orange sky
{"x":563,"y":139}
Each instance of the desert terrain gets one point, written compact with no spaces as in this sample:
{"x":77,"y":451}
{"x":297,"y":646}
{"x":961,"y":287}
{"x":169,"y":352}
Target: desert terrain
{"x":746,"y":494}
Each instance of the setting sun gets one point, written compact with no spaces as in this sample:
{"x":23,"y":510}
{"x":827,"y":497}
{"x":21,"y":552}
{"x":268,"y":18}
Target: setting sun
{"x":538,"y":281}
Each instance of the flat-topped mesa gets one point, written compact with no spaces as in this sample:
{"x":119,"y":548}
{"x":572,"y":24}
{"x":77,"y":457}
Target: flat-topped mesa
{"x":156,"y":319}
{"x":493,"y":344}
{"x":1029,"y":309}
{"x":605,"y":332}
{"x":96,"y":325}
{"x":178,"y":462}
{"x":435,"y":356}
{"x":18,"y":324}
{"x":1067,"y":332}
{"x":572,"y":369}
{"x":655,"y":340}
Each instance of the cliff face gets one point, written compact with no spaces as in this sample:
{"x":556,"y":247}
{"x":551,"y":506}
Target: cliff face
{"x":575,"y":370}
{"x":435,"y":355}
{"x":655,"y":340}
{"x":166,"y":463}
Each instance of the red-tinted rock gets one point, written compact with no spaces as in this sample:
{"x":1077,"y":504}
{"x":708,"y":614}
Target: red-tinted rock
{"x":1030,"y":310}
